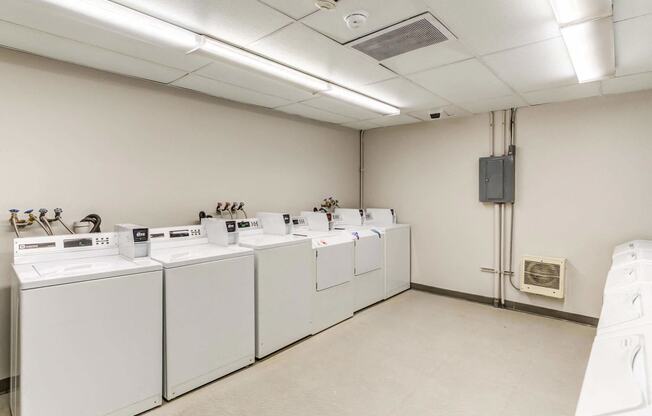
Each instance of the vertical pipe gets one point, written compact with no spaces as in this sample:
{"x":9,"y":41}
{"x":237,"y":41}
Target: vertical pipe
{"x":497,"y":240}
{"x":502,"y":254}
{"x":361,"y":187}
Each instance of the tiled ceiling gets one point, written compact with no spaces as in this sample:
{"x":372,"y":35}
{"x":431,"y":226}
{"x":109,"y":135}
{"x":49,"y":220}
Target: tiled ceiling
{"x":506,"y":53}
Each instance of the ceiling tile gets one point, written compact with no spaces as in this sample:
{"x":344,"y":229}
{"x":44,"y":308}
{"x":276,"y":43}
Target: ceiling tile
{"x":490,"y":26}
{"x":42,"y":19}
{"x":627,"y":84}
{"x":462,"y":82}
{"x":534,"y":67}
{"x":305,"y":49}
{"x":361,"y":125}
{"x":240,"y":22}
{"x":572,"y":92}
{"x":314,"y":113}
{"x":402,"y":93}
{"x":633,"y":46}
{"x":252,"y":80}
{"x":429,"y":57}
{"x":394,"y":120}
{"x":381,"y":15}
{"x":228,"y":91}
{"x":626,"y":9}
{"x":492,"y":104}
{"x":44,"y":44}
{"x":293,"y":8}
{"x":333,"y":105}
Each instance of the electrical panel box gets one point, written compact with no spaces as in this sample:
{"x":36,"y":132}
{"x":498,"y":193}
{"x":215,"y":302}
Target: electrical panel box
{"x":497,"y":179}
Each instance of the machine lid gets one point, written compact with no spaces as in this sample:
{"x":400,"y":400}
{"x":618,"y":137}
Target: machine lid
{"x":637,"y":272}
{"x":617,"y":375}
{"x":360,"y":232}
{"x":194,"y":254}
{"x":60,"y":272}
{"x":631,"y":305}
{"x":263,"y":241}
{"x":633,"y":245}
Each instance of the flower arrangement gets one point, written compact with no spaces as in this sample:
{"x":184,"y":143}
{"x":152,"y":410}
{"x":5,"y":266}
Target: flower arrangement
{"x":329,"y":204}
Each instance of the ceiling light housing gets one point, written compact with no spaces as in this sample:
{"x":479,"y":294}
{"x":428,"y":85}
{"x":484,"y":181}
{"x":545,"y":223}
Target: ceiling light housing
{"x":123,"y":20}
{"x":361,"y":100}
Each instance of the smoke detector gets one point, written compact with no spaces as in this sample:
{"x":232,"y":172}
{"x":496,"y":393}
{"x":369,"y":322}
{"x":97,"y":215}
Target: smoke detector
{"x":356,"y":19}
{"x":326,"y":4}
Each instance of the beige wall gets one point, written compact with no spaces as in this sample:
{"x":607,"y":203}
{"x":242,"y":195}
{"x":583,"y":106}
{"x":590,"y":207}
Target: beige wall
{"x":135,"y":151}
{"x":584,"y":184}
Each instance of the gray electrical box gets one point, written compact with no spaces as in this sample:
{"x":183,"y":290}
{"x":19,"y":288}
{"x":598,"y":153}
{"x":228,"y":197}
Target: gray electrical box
{"x":497,"y":179}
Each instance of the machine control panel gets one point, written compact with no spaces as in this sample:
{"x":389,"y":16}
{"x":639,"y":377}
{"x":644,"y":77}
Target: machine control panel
{"x":172,"y":233}
{"x":248,"y":224}
{"x":27,"y":246}
{"x":220,"y":232}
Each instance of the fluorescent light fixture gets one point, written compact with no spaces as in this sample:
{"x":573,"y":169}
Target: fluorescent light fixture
{"x":231,"y":54}
{"x":591,"y":48}
{"x":576,"y":11}
{"x":361,"y":100}
{"x":123,"y":20}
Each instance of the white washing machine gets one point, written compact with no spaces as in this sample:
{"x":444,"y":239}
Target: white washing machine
{"x":633,"y":245}
{"x":626,"y":307}
{"x":284,"y":279}
{"x":634,"y":273}
{"x":333,"y":264}
{"x":627,"y":257}
{"x":86,"y":326}
{"x":618,"y":376}
{"x":369,"y":257}
{"x":397,"y":249}
{"x":208,"y":304}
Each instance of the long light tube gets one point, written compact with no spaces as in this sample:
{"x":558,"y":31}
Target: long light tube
{"x":588,"y":32}
{"x":361,"y":100}
{"x":222,"y":51}
{"x":591,"y":49}
{"x":123,"y":20}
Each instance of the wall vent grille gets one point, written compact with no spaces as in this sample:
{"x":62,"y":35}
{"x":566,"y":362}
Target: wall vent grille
{"x":415,"y":33}
{"x":543,"y":276}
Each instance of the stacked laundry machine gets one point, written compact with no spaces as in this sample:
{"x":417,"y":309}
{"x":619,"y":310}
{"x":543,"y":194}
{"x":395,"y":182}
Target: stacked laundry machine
{"x":618,"y":378}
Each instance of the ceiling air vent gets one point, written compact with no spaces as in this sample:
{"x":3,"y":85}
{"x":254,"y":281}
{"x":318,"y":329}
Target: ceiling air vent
{"x":415,"y":33}
{"x":543,"y":276}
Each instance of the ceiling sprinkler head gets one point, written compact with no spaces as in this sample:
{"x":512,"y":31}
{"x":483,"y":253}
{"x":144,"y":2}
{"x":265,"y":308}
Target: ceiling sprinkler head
{"x":356,"y":19}
{"x":326,"y":4}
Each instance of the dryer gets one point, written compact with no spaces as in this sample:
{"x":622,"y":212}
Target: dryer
{"x":618,"y":379}
{"x":284,"y":279}
{"x":397,"y":249}
{"x":369,"y":257}
{"x":208,"y":304}
{"x":333,"y":254}
{"x":86,"y":325}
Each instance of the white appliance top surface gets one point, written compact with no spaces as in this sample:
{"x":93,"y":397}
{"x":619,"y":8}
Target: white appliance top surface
{"x":633,"y":245}
{"x":60,"y":272}
{"x":628,"y":306}
{"x":360,"y":230}
{"x":192,"y":254}
{"x":325,"y":238}
{"x":387,"y":226}
{"x":626,"y":258}
{"x":618,"y":374}
{"x":262,"y":241}
{"x":636,"y":272}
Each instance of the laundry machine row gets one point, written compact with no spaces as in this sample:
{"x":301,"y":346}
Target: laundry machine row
{"x":618,"y":378}
{"x":209,"y":300}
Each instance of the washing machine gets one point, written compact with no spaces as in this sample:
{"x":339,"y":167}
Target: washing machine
{"x":369,"y":256}
{"x":87,"y":321}
{"x":633,"y":245}
{"x":397,"y":249}
{"x":618,"y":375}
{"x":634,"y":273}
{"x":333,"y":254}
{"x":284,"y":280}
{"x":625,"y":258}
{"x":209,"y":303}
{"x":626,"y":307}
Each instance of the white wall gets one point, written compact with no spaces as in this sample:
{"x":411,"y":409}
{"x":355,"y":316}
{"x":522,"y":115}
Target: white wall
{"x":136,"y":151}
{"x":583,"y":186}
